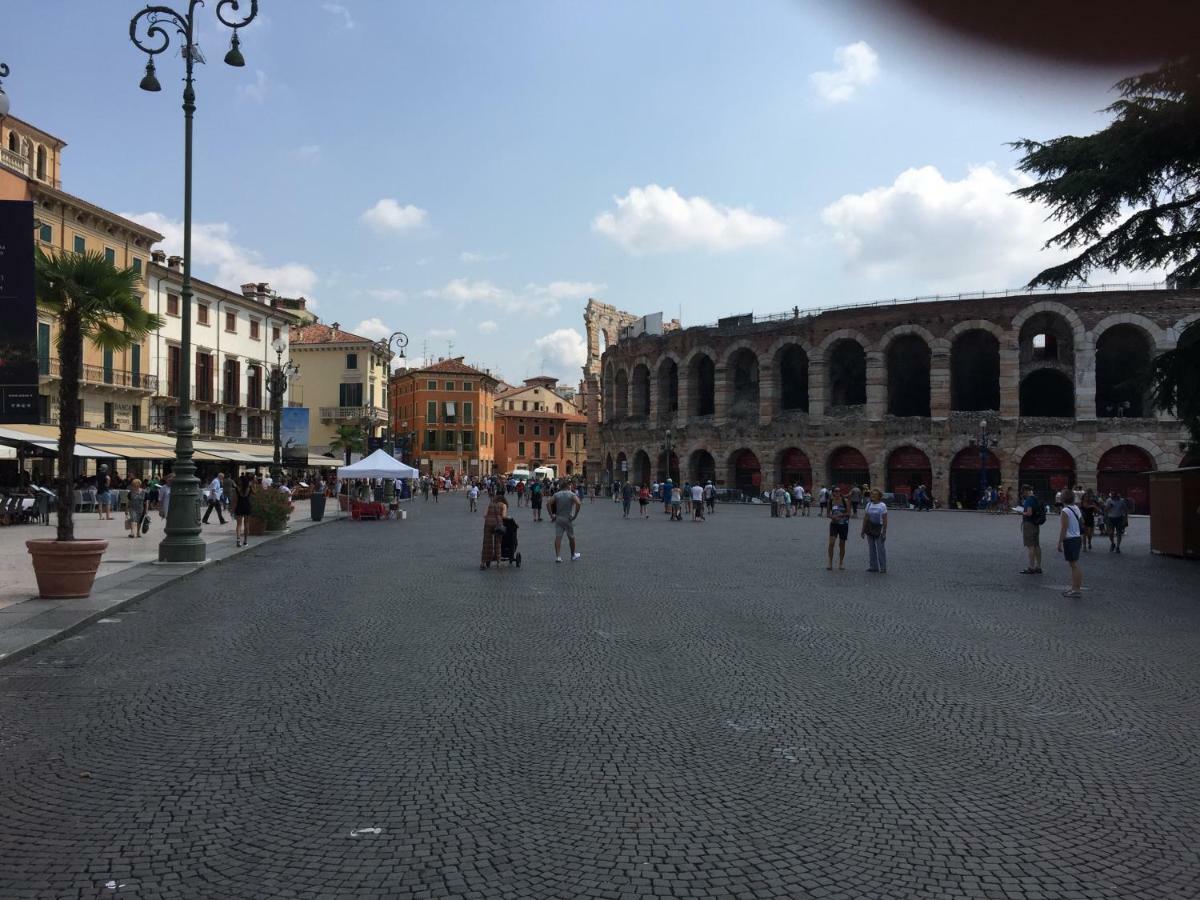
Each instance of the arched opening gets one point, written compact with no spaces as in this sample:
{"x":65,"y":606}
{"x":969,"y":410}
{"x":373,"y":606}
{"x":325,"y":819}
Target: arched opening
{"x":622,"y":471}
{"x":847,"y":372}
{"x":570,"y":467}
{"x":793,"y":378}
{"x":41,"y":163}
{"x":1125,"y":469}
{"x":795,"y":468}
{"x":641,"y":467}
{"x":14,"y":142}
{"x":848,"y":467}
{"x":745,"y":472}
{"x":622,"y":395}
{"x":608,"y":465}
{"x":702,"y":384}
{"x":1123,"y":357}
{"x":743,"y":398}
{"x":975,"y":371}
{"x":907,"y":468}
{"x":702,"y":468}
{"x":1048,"y":470}
{"x":908,"y":361}
{"x":668,"y":390}
{"x":1048,"y":393}
{"x":610,"y":394}
{"x":662,"y":473}
{"x":641,"y":392}
{"x":1046,"y":337}
{"x":966,"y":486}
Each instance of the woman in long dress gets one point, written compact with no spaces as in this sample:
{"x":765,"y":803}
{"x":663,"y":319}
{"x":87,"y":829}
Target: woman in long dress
{"x":497,"y":512}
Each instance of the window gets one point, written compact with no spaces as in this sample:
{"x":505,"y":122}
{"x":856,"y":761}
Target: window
{"x":41,"y":163}
{"x":254,"y":329}
{"x":431,"y":385}
{"x":350,"y":395}
{"x":468,"y":386}
{"x":558,"y":407}
{"x":172,"y":304}
{"x":108,"y":365}
{"x":524,"y":406}
{"x":80,"y":244}
{"x":254,"y":388}
{"x":537,"y":449}
{"x":468,"y":440}
{"x":521,"y":449}
{"x":451,"y":412}
{"x":520,"y":428}
{"x":567,"y":440}
{"x":537,"y":429}
{"x":551,"y":431}
{"x":135,"y":365}
{"x":202,"y":314}
{"x":275,"y":334}
{"x":109,"y":418}
{"x":46,"y":233}
{"x":43,"y":348}
{"x":173,"y":372}
{"x":135,"y":421}
{"x":510,"y":404}
{"x":468,"y":412}
{"x":137,"y":265}
{"x":351,"y":360}
{"x":231,"y":322}
{"x":431,"y":411}
{"x":550,"y":450}
{"x":449,"y":385}
{"x":110,"y":256}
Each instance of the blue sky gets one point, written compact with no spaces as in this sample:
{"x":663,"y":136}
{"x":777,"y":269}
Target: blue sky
{"x":471,"y":171}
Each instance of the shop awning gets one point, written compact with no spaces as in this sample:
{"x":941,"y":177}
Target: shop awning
{"x":141,"y":452}
{"x":82,"y":451}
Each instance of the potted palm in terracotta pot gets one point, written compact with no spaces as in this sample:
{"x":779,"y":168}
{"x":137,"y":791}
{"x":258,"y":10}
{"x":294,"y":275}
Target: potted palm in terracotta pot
{"x":92,"y":300}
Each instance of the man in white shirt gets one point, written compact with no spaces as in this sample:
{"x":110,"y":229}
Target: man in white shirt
{"x":215,"y":493}
{"x":473,"y":496}
{"x":697,"y":503}
{"x":798,"y":497}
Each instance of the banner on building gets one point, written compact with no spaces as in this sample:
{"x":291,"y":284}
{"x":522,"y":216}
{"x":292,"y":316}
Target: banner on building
{"x":293,"y":435}
{"x":18,"y":313}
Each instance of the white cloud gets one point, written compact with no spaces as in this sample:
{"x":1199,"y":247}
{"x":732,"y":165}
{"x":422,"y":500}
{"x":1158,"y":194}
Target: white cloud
{"x":373,"y":328}
{"x":468,"y":257}
{"x":389,"y":215}
{"x":487,"y":327}
{"x":969,"y":234}
{"x":219,"y":259}
{"x":560,"y":353}
{"x":442,"y":332}
{"x":258,"y":91}
{"x":857,"y":66}
{"x":388,"y":295}
{"x":337,"y":9}
{"x":653,"y":219}
{"x":306,"y":153}
{"x":533,"y":298}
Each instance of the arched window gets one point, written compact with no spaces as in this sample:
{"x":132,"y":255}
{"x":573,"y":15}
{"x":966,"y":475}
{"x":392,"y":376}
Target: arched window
{"x":743,"y":399}
{"x":975,"y":371}
{"x":908,"y":359}
{"x":41,"y":163}
{"x":1123,"y":357}
{"x":641,"y":392}
{"x":847,"y":373}
{"x":793,"y":378}
{"x":702,"y":381}
{"x":1047,"y":393}
{"x":668,"y":389}
{"x":622,"y":395}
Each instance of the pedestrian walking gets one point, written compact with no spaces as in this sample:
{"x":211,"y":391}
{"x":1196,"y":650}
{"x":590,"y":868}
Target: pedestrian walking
{"x":644,"y":501}
{"x":697,"y":503}
{"x":1070,"y":538}
{"x":241,"y":510}
{"x":676,"y":504}
{"x":874,"y":529}
{"x":103,"y":493}
{"x":710,"y":498}
{"x":1089,"y":507}
{"x":1115,"y":520}
{"x":856,"y":496}
{"x":214,"y":494}
{"x":823,"y":500}
{"x":473,"y":498}
{"x":535,"y":499}
{"x":135,"y":509}
{"x":520,"y":493}
{"x":626,"y":499}
{"x":493,"y":531}
{"x":164,"y":495}
{"x":564,"y":507}
{"x":839,"y":527}
{"x":437,"y":486}
{"x":1033,"y":515}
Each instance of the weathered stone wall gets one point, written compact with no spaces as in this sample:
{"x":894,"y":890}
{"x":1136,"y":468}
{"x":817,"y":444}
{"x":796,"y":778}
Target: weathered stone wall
{"x":769,"y":430}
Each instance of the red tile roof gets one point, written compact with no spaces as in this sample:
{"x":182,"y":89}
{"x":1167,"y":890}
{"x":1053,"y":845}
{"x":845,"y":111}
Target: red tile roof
{"x":319,"y":333}
{"x":453,"y":366}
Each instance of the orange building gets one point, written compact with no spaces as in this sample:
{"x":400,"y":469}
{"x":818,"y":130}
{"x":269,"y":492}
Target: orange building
{"x":448,"y":407}
{"x":538,"y":426}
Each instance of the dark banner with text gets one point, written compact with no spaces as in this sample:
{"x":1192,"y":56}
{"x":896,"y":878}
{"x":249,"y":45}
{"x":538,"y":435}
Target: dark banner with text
{"x":18,"y":316}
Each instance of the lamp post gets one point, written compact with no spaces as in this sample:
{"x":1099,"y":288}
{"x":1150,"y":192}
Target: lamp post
{"x":667,"y":462}
{"x":277,"y":383}
{"x":183,"y":542}
{"x":983,"y":450}
{"x":400,"y":340}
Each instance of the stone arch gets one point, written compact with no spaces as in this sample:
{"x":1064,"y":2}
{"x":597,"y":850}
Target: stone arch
{"x":621,"y":394}
{"x":742,"y":383}
{"x":793,"y":465}
{"x":1175,"y":332}
{"x":987,"y":325}
{"x":701,"y":374}
{"x":1163,"y":458}
{"x":702,"y":466}
{"x":909,"y":360}
{"x":667,"y":379}
{"x":602,"y":320}
{"x":905,"y":466}
{"x":1018,"y":452}
{"x":1047,"y":393}
{"x":608,"y":465}
{"x":975,"y":369}
{"x":906,"y":329}
{"x":621,"y":466}
{"x":1048,"y":480}
{"x":639,"y":468}
{"x":1125,"y":352}
{"x":1079,"y":332}
{"x":790,"y":361}
{"x":1160,"y":338}
{"x":745,"y":471}
{"x":609,"y":391}
{"x":847,"y":466}
{"x":639,"y":385}
{"x":845,"y":355}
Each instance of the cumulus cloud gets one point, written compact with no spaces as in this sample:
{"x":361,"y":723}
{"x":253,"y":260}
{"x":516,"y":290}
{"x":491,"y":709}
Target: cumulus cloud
{"x":654,"y":219}
{"x":388,"y":295}
{"x":442,"y":332}
{"x":560,"y":353}
{"x":389,"y":216}
{"x":258,"y":90}
{"x":487,"y":327}
{"x":217,"y":258}
{"x":373,"y":328}
{"x":468,"y":257}
{"x":963,"y":235}
{"x":532,"y":298}
{"x":337,"y":9}
{"x":857,"y":66}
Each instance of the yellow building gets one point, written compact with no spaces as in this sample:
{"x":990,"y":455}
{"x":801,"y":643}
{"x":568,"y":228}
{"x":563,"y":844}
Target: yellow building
{"x":343,"y":380}
{"x":115,"y":388}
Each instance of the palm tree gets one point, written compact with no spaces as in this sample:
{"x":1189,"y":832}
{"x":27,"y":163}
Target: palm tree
{"x":347,"y":439}
{"x":1175,"y":382}
{"x":92,"y":299}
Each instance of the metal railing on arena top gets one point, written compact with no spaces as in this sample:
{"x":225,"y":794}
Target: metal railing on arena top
{"x":797,"y":313}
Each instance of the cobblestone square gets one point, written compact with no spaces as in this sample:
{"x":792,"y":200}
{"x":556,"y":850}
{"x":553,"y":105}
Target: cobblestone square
{"x":691,"y":710}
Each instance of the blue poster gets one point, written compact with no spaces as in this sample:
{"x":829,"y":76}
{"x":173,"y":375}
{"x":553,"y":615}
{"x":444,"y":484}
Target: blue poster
{"x":293,"y":435}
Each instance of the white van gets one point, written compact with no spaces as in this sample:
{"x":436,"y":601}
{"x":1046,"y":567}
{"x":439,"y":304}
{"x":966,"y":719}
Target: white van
{"x":520,"y":475}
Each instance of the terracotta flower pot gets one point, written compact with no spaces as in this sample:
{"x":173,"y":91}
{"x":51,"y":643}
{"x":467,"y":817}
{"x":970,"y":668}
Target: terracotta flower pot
{"x":65,"y":568}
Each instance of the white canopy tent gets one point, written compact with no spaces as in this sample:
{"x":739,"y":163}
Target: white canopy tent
{"x":379,"y":464}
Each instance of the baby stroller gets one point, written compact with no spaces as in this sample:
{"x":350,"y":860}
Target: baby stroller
{"x":508,"y":543}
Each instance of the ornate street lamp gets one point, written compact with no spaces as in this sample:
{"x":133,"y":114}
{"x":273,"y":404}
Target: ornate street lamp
{"x":983,"y":451}
{"x":183,"y":542}
{"x":399,"y":340}
{"x":277,"y":383}
{"x":3,"y":96}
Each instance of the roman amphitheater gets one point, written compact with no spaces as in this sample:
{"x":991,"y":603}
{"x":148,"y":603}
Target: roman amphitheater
{"x":893,"y":394}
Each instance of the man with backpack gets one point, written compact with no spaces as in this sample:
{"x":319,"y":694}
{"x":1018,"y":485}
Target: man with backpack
{"x":1033,"y":516}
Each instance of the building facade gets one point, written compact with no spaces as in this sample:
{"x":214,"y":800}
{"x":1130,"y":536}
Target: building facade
{"x":232,"y":353}
{"x":115,"y":386}
{"x":448,"y":409}
{"x":537,"y":426}
{"x":902,"y":394}
{"x":343,"y":380}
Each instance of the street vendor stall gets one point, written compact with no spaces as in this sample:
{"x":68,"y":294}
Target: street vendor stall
{"x":379,"y":464}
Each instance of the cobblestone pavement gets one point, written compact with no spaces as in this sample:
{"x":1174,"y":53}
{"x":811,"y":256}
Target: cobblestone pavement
{"x":689,"y":711}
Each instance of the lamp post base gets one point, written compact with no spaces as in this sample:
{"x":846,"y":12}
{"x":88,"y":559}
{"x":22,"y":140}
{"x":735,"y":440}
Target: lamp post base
{"x":183,"y":543}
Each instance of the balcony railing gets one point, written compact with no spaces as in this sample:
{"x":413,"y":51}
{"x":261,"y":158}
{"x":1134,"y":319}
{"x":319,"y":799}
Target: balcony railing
{"x":10,"y":159}
{"x":220,"y":398}
{"x":117,"y":378}
{"x":353,"y":413}
{"x":163,"y":424}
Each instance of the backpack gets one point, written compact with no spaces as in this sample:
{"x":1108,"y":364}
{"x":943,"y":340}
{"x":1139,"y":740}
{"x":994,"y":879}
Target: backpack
{"x":1039,"y":514}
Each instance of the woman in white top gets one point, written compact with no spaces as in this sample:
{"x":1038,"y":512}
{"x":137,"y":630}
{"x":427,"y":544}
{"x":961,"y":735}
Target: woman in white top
{"x":1070,"y":541}
{"x":874,"y":529}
